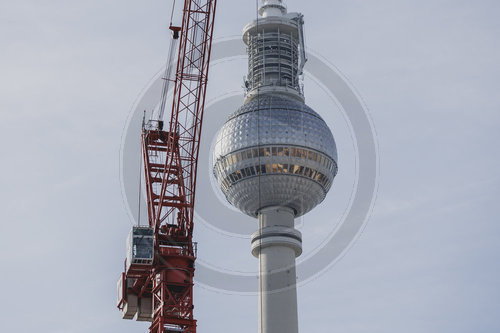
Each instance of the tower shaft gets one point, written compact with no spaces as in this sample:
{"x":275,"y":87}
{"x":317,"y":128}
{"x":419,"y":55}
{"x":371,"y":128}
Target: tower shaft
{"x":276,"y":244}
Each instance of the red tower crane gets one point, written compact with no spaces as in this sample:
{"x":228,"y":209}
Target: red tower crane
{"x":157,"y":284}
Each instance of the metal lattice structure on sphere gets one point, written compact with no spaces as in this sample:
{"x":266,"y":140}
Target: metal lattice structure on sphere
{"x":157,"y":284}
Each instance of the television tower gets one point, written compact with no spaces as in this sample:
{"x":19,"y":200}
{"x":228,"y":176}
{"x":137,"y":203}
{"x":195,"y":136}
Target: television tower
{"x":275,"y":158}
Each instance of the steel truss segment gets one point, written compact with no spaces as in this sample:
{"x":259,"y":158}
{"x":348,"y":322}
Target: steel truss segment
{"x":170,"y":164}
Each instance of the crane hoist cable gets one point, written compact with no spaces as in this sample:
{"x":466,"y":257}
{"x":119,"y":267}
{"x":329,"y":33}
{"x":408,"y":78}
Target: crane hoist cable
{"x":167,"y":77}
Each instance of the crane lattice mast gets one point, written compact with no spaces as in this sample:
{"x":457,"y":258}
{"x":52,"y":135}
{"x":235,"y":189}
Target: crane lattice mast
{"x":157,"y":285}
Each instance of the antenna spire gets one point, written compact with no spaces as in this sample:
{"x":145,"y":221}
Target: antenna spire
{"x":272,"y":8}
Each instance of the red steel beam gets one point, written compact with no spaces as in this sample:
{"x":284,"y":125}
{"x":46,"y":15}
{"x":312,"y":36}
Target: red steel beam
{"x":170,"y":160}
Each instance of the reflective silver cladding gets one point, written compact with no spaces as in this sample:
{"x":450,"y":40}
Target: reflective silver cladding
{"x":275,"y":151}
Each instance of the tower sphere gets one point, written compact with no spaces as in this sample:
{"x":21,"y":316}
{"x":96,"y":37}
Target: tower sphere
{"x":275,"y":151}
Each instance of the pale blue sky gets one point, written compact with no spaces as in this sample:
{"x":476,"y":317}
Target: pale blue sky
{"x":428,"y":260}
